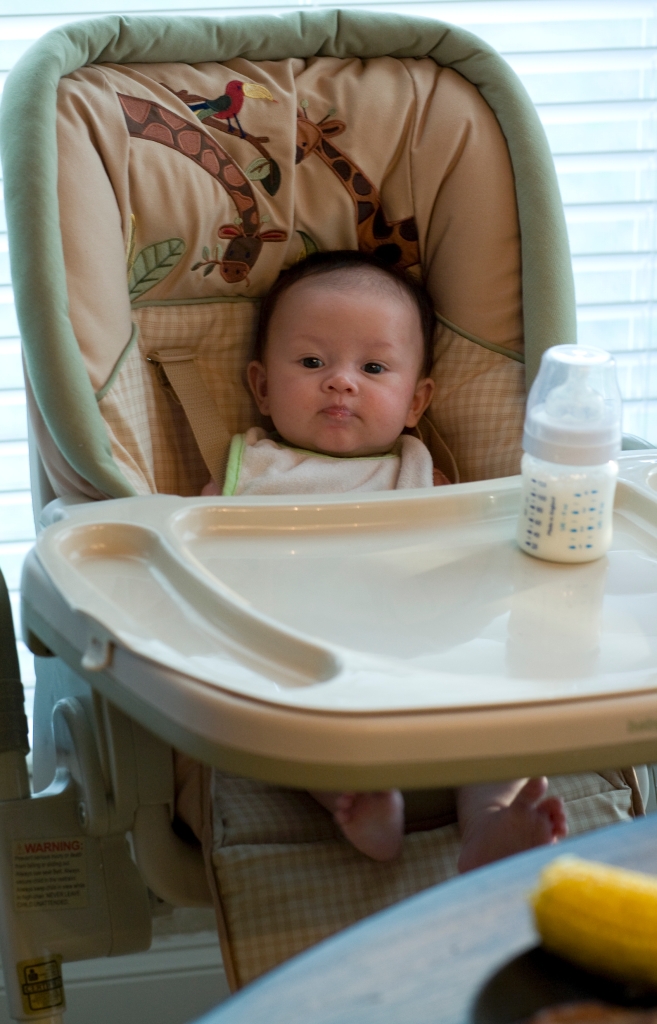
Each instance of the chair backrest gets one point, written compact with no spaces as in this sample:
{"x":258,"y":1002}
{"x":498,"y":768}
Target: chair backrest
{"x":160,"y":172}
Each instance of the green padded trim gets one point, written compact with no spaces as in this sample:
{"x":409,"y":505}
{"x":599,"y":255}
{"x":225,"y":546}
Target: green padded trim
{"x":28,"y":148}
{"x":100,"y":394}
{"x":490,"y":345}
{"x":234,"y":466}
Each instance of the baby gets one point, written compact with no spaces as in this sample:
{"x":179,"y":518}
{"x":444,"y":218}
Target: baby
{"x":341,"y":367}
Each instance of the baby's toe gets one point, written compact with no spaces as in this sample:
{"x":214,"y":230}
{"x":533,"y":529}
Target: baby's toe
{"x":531,"y":792}
{"x":552,"y":808}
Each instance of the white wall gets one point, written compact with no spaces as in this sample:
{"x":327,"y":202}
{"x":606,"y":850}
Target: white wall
{"x":180,"y":978}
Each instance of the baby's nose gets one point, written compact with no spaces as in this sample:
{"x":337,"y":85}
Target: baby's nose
{"x":341,"y":382}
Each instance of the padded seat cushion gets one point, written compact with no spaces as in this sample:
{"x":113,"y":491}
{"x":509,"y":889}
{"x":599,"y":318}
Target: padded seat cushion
{"x":286,"y":878}
{"x":180,"y":214}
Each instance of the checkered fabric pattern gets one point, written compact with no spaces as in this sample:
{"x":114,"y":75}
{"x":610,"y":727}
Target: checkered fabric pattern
{"x":473,"y":386}
{"x":594,"y":799}
{"x":154,"y":445}
{"x":150,"y":436}
{"x":287,"y":879}
{"x":128,"y":409}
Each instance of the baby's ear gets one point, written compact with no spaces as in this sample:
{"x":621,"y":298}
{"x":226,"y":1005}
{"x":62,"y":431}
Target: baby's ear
{"x":256,"y":375}
{"x":421,"y":401}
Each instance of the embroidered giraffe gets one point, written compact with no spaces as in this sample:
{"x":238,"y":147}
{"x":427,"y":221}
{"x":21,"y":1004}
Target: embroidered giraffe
{"x":205,"y":110}
{"x":147,"y":120}
{"x":393,"y":242}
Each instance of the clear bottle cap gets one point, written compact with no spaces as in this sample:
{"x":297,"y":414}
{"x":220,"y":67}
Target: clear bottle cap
{"x":574,"y":408}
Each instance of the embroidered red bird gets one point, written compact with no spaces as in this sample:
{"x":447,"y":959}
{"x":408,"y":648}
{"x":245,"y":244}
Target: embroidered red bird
{"x":228,"y":106}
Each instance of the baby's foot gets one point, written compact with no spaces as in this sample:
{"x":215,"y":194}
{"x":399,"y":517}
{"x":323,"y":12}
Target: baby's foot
{"x":531,"y":819}
{"x":372,"y":822}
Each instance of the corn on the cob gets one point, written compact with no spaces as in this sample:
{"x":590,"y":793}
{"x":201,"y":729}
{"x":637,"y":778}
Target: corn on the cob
{"x":602,"y":918}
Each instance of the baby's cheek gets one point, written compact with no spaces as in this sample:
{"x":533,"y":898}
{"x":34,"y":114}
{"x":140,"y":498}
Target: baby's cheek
{"x":392,"y":407}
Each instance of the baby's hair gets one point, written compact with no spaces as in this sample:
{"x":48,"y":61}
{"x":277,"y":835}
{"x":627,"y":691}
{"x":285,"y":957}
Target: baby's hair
{"x":324,"y":263}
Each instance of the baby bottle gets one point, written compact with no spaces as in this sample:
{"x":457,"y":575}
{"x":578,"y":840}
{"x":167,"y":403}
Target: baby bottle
{"x":571,"y":439}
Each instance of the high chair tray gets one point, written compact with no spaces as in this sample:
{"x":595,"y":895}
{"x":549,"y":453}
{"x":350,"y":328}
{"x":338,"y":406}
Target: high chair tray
{"x":397,"y":638}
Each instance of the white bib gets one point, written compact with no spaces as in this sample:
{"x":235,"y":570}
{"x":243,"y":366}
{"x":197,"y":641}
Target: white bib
{"x":259,"y":465}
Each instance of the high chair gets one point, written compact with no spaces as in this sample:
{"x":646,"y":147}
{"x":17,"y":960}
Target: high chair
{"x":159,"y":173}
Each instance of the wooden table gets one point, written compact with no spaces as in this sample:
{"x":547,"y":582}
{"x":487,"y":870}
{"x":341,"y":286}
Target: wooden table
{"x":425,"y":960}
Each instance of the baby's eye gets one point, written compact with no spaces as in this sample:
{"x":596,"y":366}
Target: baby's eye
{"x":311,"y":362}
{"x":373,"y":368}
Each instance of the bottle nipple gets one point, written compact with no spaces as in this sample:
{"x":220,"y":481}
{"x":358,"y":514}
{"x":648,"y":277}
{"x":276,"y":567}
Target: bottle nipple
{"x":575,"y":401}
{"x":574,"y":408}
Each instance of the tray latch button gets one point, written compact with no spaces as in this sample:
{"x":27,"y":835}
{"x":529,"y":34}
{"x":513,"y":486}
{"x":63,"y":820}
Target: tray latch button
{"x":98,"y":654}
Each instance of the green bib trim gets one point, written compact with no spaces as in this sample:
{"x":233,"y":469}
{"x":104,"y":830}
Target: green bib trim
{"x":234,"y":466}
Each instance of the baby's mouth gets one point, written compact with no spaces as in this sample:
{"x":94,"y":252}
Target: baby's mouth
{"x":338,"y":412}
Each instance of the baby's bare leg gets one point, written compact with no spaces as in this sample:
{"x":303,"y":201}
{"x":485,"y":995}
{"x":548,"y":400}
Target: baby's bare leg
{"x":504,"y":818}
{"x":372,"y":822}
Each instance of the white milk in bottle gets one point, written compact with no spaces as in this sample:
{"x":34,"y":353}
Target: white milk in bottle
{"x":571,"y":440}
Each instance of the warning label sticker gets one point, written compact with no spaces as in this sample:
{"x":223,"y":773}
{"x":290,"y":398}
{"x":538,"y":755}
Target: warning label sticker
{"x":41,"y":984}
{"x":50,"y":874}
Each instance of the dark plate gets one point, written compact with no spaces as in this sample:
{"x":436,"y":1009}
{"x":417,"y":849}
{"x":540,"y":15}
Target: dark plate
{"x":537,"y":979}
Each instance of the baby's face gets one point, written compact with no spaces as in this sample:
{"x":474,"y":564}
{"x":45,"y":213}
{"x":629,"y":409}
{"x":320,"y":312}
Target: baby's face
{"x":340,"y":369}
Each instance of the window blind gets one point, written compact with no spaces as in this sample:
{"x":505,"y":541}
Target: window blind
{"x":590,"y":68}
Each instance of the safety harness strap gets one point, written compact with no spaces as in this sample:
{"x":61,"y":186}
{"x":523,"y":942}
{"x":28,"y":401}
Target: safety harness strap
{"x":177,"y":369}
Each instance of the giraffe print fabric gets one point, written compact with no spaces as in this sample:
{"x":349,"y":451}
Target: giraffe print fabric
{"x":203,"y":182}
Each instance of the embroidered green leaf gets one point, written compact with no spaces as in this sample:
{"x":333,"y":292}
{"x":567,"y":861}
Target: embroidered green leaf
{"x":153,"y":264}
{"x":208,"y":270}
{"x":265,"y":171}
{"x":196,"y":266}
{"x":309,"y":245}
{"x":206,"y":253}
{"x":258,"y":169}
{"x":272,"y":183}
{"x":204,"y":114}
{"x":219,"y":251}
